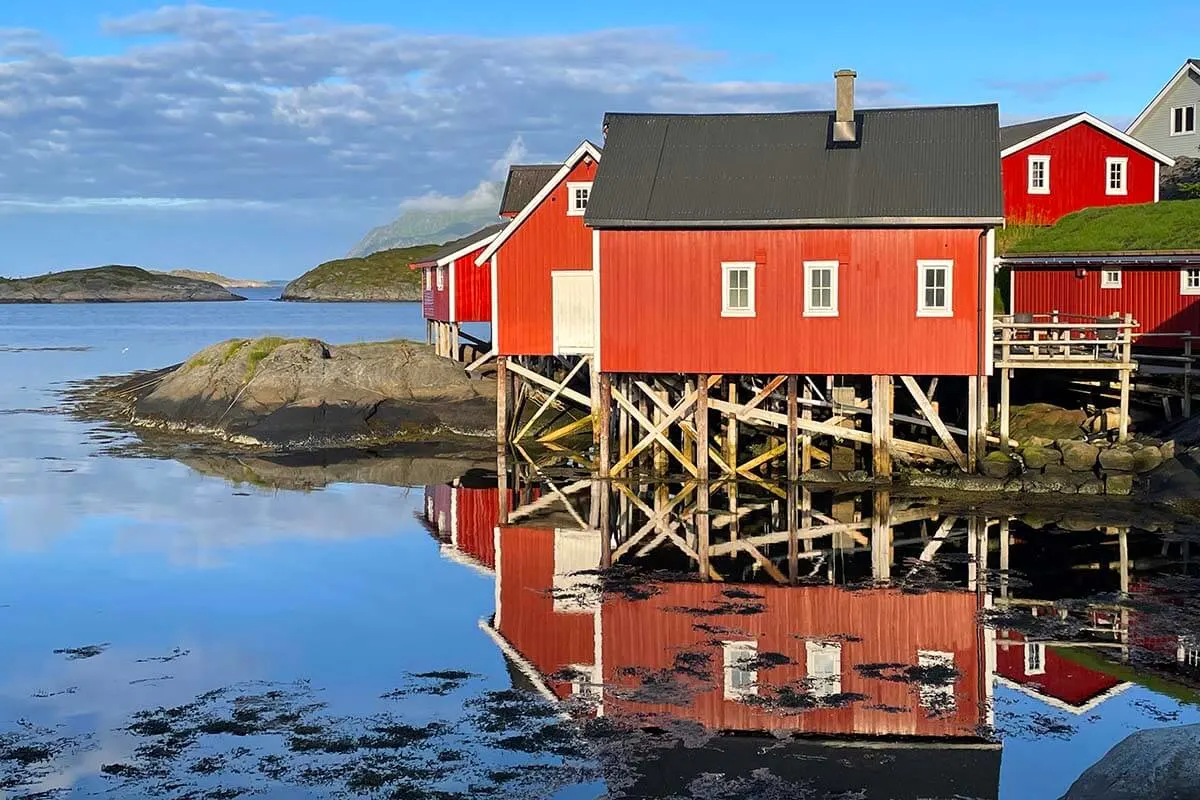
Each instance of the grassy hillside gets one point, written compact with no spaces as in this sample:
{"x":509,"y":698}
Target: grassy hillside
{"x":380,"y":276}
{"x":1173,"y":225}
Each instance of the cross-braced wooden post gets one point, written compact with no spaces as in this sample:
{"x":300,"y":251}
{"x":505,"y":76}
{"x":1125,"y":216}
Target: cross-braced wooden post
{"x":793,"y":456}
{"x":603,"y":424}
{"x":881,"y":425}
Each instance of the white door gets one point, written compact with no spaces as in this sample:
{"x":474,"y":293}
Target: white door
{"x":574,"y":311}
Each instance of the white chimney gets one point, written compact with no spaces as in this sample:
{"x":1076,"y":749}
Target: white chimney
{"x":844,"y":129}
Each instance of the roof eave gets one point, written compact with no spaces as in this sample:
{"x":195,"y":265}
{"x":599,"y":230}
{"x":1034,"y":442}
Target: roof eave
{"x":1122,"y":136}
{"x":1188,"y":66}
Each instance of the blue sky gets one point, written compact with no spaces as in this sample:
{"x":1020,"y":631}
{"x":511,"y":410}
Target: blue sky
{"x":261,"y":137}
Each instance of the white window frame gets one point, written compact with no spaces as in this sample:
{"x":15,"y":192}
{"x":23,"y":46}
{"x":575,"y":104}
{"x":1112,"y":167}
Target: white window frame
{"x":822,"y":683}
{"x":942,"y":696}
{"x":441,"y":279}
{"x":1123,"y":163}
{"x":573,"y":208}
{"x":935,"y":311}
{"x":1183,"y":119}
{"x":1037,"y":649}
{"x":1184,"y":288}
{"x":728,"y":267}
{"x":811,"y":310}
{"x":428,"y":279}
{"x":1110,"y":279}
{"x":1045,"y":163}
{"x":734,"y":654}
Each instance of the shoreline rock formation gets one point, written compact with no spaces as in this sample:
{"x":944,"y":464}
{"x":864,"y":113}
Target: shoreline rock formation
{"x":111,"y":284}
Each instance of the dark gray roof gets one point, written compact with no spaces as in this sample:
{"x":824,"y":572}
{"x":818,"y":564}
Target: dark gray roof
{"x":450,"y":248}
{"x":525,"y":181}
{"x":1013,"y":134}
{"x":729,"y":170}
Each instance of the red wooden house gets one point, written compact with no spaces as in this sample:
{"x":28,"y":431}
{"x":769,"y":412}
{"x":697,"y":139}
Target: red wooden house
{"x":455,"y":291}
{"x":1053,"y":167}
{"x":854,"y":242}
{"x":541,"y":267}
{"x":463,"y":519}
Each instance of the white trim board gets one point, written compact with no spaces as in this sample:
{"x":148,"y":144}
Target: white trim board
{"x":1188,"y":67}
{"x":1062,"y":705}
{"x":584,"y":149}
{"x":1100,"y":125}
{"x":479,"y":245}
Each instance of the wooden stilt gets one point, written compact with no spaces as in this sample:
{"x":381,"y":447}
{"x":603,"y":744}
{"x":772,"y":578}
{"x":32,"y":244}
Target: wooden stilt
{"x":881,"y":425}
{"x":984,"y":416}
{"x":454,"y":330}
{"x":731,"y":427}
{"x":931,"y":415}
{"x":881,"y":536}
{"x":972,"y":424}
{"x":1005,"y":407}
{"x":661,"y":461}
{"x":806,"y":447}
{"x":793,"y":534}
{"x":602,"y":427}
{"x":502,"y":390}
{"x":594,"y":391}
{"x":502,"y":485}
{"x":605,"y":526}
{"x":793,"y":455}
{"x":701,"y":424}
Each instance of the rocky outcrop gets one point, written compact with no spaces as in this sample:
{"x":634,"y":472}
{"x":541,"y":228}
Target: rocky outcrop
{"x":380,"y":277}
{"x":1147,"y":765}
{"x":304,"y":393}
{"x":112,"y":284}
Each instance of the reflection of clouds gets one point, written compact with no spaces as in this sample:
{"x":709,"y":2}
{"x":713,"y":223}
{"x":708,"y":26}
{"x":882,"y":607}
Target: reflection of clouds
{"x":163,"y":506}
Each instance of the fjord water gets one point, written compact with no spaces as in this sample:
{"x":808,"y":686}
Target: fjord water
{"x":170,"y":633}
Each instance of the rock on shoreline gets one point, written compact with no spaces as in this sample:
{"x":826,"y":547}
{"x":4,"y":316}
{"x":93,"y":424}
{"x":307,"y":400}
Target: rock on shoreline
{"x":304,"y":393}
{"x":112,"y":284}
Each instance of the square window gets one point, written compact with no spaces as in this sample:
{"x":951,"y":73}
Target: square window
{"x":820,"y":288}
{"x":428,"y":279}
{"x":1039,"y":175}
{"x":1183,"y":120}
{"x":1110,"y":279}
{"x":577,"y":198}
{"x":935,"y":288}
{"x":1035,"y":658}
{"x":937,"y":682}
{"x":737,"y":289}
{"x":1115,"y":169}
{"x":824,"y":668}
{"x":441,"y":278}
{"x":1189,"y":281}
{"x":741,"y":675}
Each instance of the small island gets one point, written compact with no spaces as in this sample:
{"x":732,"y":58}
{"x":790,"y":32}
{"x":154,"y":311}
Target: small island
{"x":379,"y":277}
{"x":110,"y":284}
{"x":218,"y":279}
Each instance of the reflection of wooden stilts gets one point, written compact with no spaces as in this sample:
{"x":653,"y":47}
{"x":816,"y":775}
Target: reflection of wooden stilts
{"x":1005,"y":544}
{"x":550,"y":399}
{"x":881,"y":536}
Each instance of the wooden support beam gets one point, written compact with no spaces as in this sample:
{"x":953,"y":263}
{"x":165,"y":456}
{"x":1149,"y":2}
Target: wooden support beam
{"x":731,"y":427}
{"x":793,"y":454}
{"x":502,"y":389}
{"x":655,"y":432}
{"x":566,"y":430}
{"x":687,"y":427}
{"x":973,"y":453}
{"x":931,"y":415}
{"x":549,"y":401}
{"x":546,"y":383}
{"x":806,"y":445}
{"x":765,"y":563}
{"x":603,"y":423}
{"x":1005,"y":407}
{"x":700,"y":417}
{"x":881,"y":425}
{"x":793,"y":534}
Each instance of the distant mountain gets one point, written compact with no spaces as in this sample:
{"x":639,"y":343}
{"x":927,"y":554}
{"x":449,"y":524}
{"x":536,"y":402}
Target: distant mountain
{"x":219,"y":280}
{"x":417,"y":226}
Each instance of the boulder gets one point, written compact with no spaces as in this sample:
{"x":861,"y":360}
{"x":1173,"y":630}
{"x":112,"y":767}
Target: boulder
{"x":1091,"y":486}
{"x":1147,"y":459}
{"x":1107,"y":420}
{"x":1050,"y":484}
{"x":305,"y":393}
{"x":1079,"y":456}
{"x":1039,"y":457}
{"x":1148,"y":765}
{"x":1045,"y":421}
{"x":1117,"y":458}
{"x":1167,"y":449}
{"x":1118,"y":484}
{"x":998,"y":465}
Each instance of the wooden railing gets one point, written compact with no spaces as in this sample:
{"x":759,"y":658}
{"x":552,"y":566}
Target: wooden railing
{"x":1057,"y":341}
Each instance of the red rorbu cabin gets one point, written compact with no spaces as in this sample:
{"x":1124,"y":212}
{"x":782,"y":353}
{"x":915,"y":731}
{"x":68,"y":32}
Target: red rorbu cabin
{"x":855,"y":242}
{"x":541,"y":267}
{"x":455,"y":291}
{"x":1041,"y":671}
{"x":463,"y":517}
{"x":1053,"y":167}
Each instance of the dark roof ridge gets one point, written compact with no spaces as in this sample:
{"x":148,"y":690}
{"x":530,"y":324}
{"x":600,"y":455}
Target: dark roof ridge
{"x":1046,"y":119}
{"x":802,"y":112}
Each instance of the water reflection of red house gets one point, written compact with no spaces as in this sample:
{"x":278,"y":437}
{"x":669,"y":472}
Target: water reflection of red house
{"x":862,"y":645}
{"x":545,"y":612}
{"x":463,"y":518}
{"x":1044,"y":672}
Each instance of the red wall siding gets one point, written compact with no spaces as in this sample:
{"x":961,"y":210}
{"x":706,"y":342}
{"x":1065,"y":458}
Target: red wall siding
{"x":547,"y":240}
{"x":1064,"y":680}
{"x":438,"y":506}
{"x":427,"y":295}
{"x":548,"y":640}
{"x":874,"y":627}
{"x":436,"y":304}
{"x":1077,"y":176}
{"x":472,"y":290}
{"x":661,"y":303}
{"x":1150,"y":295}
{"x":478,"y":513}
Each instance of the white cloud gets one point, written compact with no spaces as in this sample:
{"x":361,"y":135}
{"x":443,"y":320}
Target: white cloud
{"x":236,"y":109}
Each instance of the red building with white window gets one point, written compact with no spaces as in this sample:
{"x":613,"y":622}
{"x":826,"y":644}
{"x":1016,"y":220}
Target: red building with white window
{"x":455,"y":290}
{"x":1043,"y":672}
{"x":541,"y":264}
{"x":856,"y":242}
{"x":1053,"y":167}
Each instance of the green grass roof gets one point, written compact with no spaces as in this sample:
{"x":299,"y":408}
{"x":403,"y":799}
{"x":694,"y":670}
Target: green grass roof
{"x":1170,"y":225}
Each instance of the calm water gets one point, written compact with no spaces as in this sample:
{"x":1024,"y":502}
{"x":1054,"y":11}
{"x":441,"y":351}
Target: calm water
{"x":167,"y":632}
